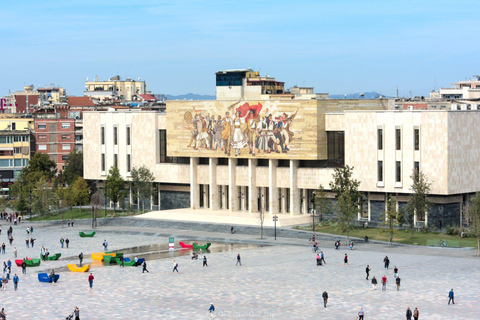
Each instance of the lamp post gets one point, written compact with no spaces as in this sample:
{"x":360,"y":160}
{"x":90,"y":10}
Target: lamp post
{"x":105,"y":197}
{"x":275,"y":219}
{"x":93,"y":217}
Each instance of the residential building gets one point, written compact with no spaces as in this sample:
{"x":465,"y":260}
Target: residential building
{"x":467,"y":90}
{"x":55,"y":137}
{"x":115,"y":88}
{"x":16,"y":146}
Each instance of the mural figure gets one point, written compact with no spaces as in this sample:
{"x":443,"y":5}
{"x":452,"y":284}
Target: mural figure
{"x":217,"y":134}
{"x":226,"y":133}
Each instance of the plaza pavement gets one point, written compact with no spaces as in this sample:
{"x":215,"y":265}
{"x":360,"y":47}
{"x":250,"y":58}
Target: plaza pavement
{"x":280,"y":281}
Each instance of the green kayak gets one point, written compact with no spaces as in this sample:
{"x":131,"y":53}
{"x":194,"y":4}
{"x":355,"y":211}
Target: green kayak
{"x":198,"y":247}
{"x":33,"y":262}
{"x":89,"y":234}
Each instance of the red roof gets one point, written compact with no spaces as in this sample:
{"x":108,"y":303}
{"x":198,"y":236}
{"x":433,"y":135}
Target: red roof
{"x":147,"y":97}
{"x":21,"y":101}
{"x":80,"y":102}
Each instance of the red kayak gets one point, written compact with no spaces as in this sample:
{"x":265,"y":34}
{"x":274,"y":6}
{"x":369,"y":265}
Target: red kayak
{"x":186,"y":246}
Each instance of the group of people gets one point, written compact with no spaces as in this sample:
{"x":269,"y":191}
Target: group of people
{"x":246,"y":129}
{"x":44,"y":253}
{"x":11,"y":217}
{"x":64,"y":241}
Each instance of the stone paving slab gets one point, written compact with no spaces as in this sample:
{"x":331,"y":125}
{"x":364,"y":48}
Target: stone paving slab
{"x":275,"y":282}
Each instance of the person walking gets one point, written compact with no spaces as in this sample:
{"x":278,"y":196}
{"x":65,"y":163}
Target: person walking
{"x":416,"y":314}
{"x":361,"y":314}
{"x":67,"y":241}
{"x":105,"y":245}
{"x":136,"y":261}
{"x":319,"y":261}
{"x":32,"y":242}
{"x":239,"y":260}
{"x":15,"y":282}
{"x":175,"y":266}
{"x":27,"y":242}
{"x":145,"y":266}
{"x":61,"y":241}
{"x":386,"y":262}
{"x":325,"y":298}
{"x":68,"y":223}
{"x":322,"y":257}
{"x":345,"y":260}
{"x":90,"y":280}
{"x":409,"y":314}
{"x":367,"y":271}
{"x":397,"y":281}
{"x":76,"y":313}
{"x":374,"y":283}
{"x":122,"y":262}
{"x":15,"y":251}
{"x":205,"y":261}
{"x":24,"y":267}
{"x":80,"y":257}
{"x":211,"y":310}
{"x":451,"y":297}
{"x":384,"y":283}
{"x":395,"y":272}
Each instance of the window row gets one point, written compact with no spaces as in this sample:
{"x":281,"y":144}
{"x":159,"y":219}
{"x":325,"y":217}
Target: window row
{"x":10,"y":163}
{"x":115,"y":135}
{"x":398,"y":170}
{"x":11,"y":139}
{"x":398,"y":138}
{"x":115,"y":162}
{"x":65,"y":147}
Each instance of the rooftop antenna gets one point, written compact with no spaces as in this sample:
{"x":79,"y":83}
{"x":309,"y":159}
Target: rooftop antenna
{"x":397,"y":92}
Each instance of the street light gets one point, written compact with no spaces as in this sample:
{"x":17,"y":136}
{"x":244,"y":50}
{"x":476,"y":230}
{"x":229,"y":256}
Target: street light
{"x":105,"y":197}
{"x":275,"y":219}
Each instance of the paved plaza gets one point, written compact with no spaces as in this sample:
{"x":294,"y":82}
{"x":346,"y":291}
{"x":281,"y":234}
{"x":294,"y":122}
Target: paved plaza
{"x":278,"y":281}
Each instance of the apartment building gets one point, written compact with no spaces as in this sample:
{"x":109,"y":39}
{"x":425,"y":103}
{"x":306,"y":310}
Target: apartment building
{"x":115,"y":88}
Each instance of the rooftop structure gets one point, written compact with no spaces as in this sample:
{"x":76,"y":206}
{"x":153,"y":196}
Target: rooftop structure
{"x":115,"y":88}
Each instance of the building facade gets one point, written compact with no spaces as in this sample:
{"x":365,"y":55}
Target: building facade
{"x":114,"y":88}
{"x":55,"y":137}
{"x":16,"y":146}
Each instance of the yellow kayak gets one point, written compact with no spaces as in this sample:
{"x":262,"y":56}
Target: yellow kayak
{"x":74,"y":268}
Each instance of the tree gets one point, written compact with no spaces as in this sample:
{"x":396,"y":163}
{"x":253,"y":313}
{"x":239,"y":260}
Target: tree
{"x":61,"y":197}
{"x":391,"y":216}
{"x":41,"y":163}
{"x":418,"y":203}
{"x":322,"y":203}
{"x":142,"y":180}
{"x":474,"y":213}
{"x":80,"y":192}
{"x":96,"y":200}
{"x":349,"y":199}
{"x":74,"y":167}
{"x":115,"y":187}
{"x":44,"y":198}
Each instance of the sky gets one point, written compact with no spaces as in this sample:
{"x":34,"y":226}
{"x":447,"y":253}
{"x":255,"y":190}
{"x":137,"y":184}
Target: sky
{"x":177,"y":46}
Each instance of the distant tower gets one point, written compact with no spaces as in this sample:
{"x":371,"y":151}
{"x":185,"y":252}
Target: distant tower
{"x":397,"y":92}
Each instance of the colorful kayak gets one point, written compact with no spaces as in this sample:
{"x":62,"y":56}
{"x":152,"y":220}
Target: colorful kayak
{"x":32,"y":263}
{"x":44,"y":277}
{"x":54,"y":257}
{"x":86,"y":235}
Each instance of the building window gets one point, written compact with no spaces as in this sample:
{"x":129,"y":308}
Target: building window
{"x":65,"y":136}
{"x":103,"y":162}
{"x":42,"y":137}
{"x":42,"y":126}
{"x":17,"y":139}
{"x":335,"y":148}
{"x":163,"y":151}
{"x":102,"y":135}
{"x":14,"y":126}
{"x":65,"y":125}
{"x":398,"y":139}
{"x":416,"y":167}
{"x":17,"y":150}
{"x":66,"y":147}
{"x":64,"y":158}
{"x":42,"y":147}
{"x":128,"y":136}
{"x":380,"y":171}
{"x":128,"y":163}
{"x":380,"y":139}
{"x":416,"y":136}
{"x":398,"y":171}
{"x":18,"y":162}
{"x":115,"y":139}
{"x":115,"y":160}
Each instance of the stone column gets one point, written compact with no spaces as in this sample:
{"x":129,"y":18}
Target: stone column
{"x":272,"y":188}
{"x":243,"y":197}
{"x":294,"y":191}
{"x":194,"y":189}
{"x":305,"y":201}
{"x":205,"y":196}
{"x":159,"y":197}
{"x":232,"y":185}
{"x":252,"y":186}
{"x":224,"y":197}
{"x":212,"y":175}
{"x":284,"y":200}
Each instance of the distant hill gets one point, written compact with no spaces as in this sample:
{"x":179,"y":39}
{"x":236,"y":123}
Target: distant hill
{"x":368,"y":95}
{"x":190,"y":96}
